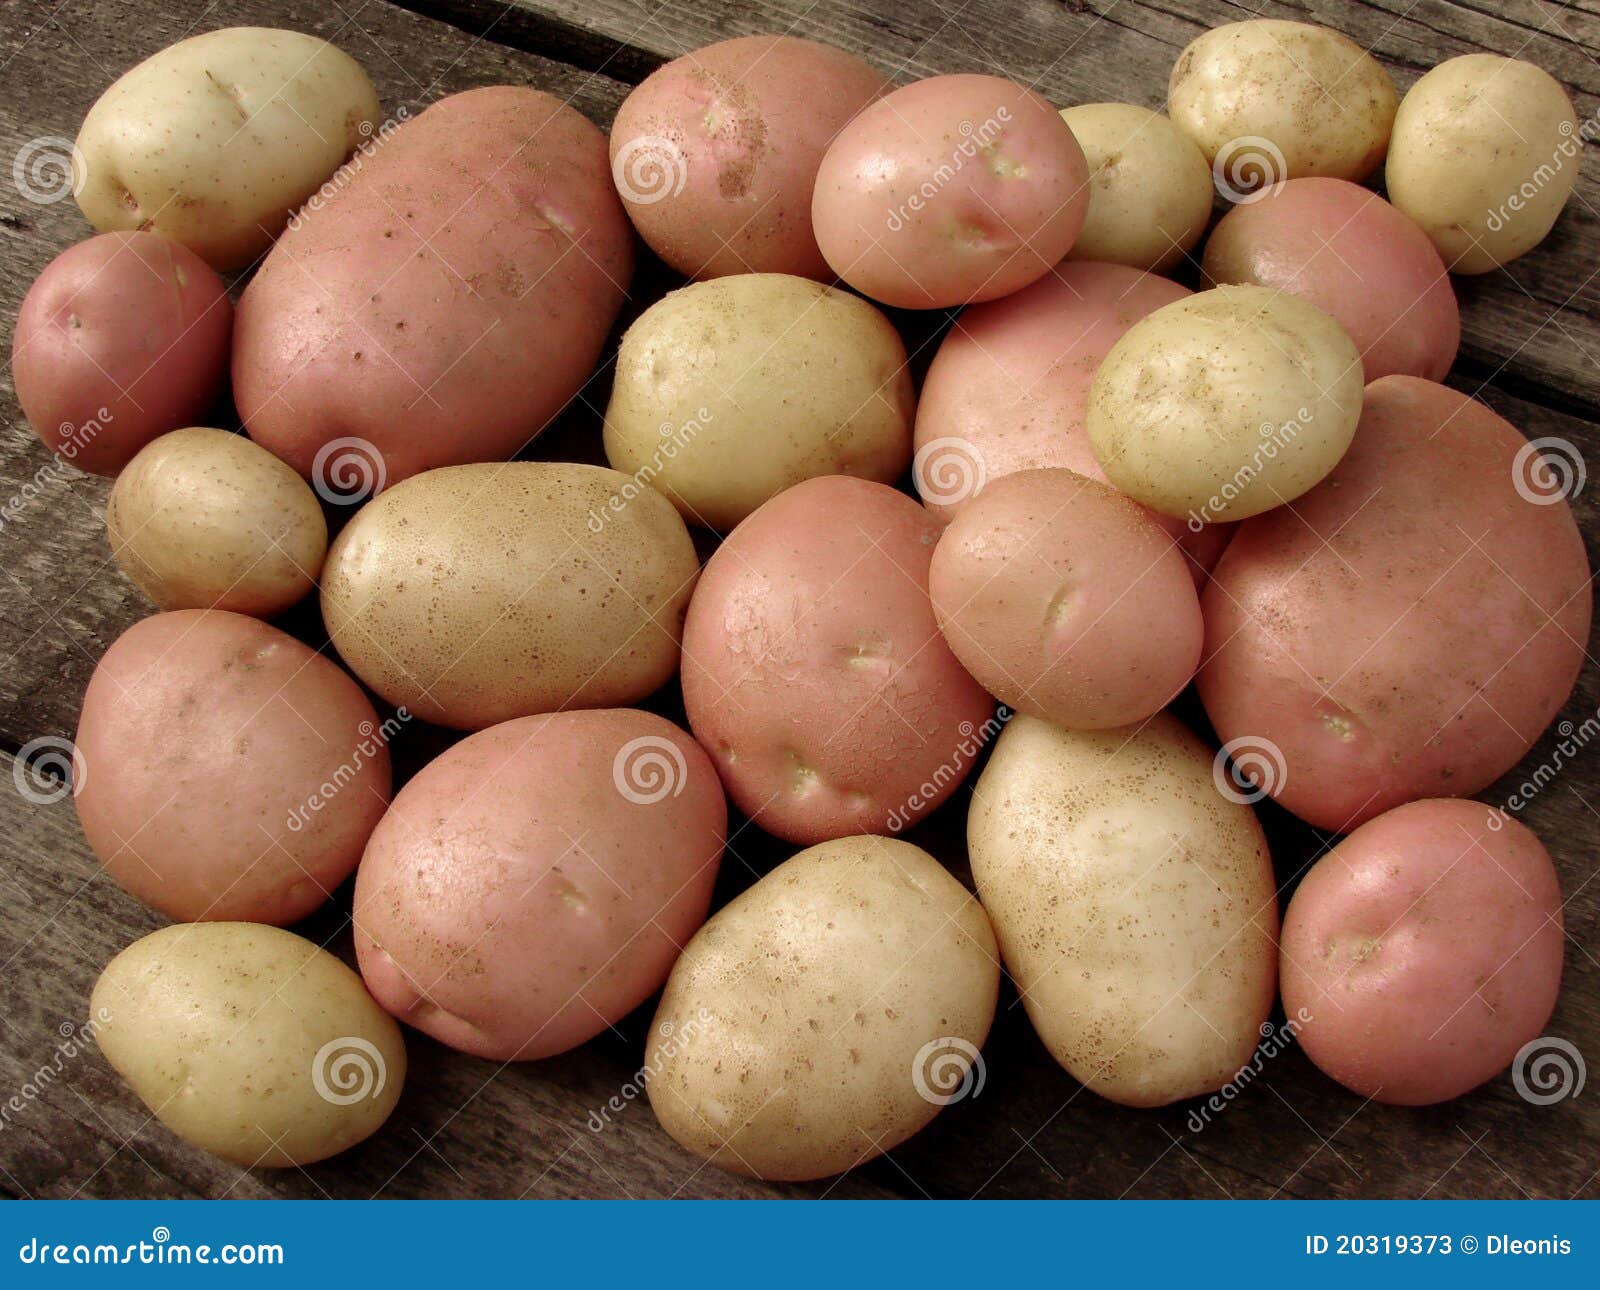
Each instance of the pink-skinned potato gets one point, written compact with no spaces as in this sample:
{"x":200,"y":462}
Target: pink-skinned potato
{"x":446,"y":299}
{"x":122,"y":338}
{"x":229,"y":773}
{"x":1411,"y":625}
{"x":813,"y":670}
{"x":533,"y":884}
{"x":1423,"y":951}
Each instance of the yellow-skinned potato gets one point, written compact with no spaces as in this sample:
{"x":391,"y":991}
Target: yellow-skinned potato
{"x":728,"y":392}
{"x":825,"y":1015}
{"x":1134,"y":904}
{"x":214,"y":141}
{"x":249,"y":1042}
{"x":204,"y":519}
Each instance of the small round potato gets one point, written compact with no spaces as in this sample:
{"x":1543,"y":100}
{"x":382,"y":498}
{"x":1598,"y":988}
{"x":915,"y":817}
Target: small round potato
{"x":1268,"y":100}
{"x":1486,"y":151}
{"x":1226,"y":404}
{"x":1424,"y":951}
{"x":826,"y":1015}
{"x":728,"y":392}
{"x":249,"y":1042}
{"x":533,"y":885}
{"x":1150,"y":191}
{"x":230,"y":771}
{"x":950,"y":190}
{"x":1066,"y":601}
{"x":212,"y":142}
{"x":474,"y":594}
{"x":715,"y":153}
{"x":204,"y":519}
{"x":1356,"y":257}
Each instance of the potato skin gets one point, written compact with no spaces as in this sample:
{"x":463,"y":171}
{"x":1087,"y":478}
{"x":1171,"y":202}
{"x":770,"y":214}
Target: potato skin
{"x":1355,"y":257}
{"x":708,"y":409}
{"x":212,"y":142}
{"x":1413,"y":627}
{"x":533,"y":884}
{"x":715,"y":153}
{"x":204,"y":519}
{"x":122,"y":338}
{"x":1425,"y":949}
{"x":1472,"y":137}
{"x":463,"y":293}
{"x":1134,"y":904}
{"x":807,"y":1023}
{"x":249,"y":1042}
{"x":813,"y":670}
{"x":232,"y":773}
{"x":474,"y":594}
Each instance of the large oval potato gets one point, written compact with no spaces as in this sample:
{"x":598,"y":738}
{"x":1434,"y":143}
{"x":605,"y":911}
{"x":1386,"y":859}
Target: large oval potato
{"x":532,"y":885}
{"x":1423,"y":951}
{"x":826,"y":1015}
{"x":445,"y":302}
{"x":214,"y":141}
{"x":474,"y":594}
{"x":814,"y":672}
{"x":230,"y":771}
{"x":249,"y":1042}
{"x":1135,"y":905}
{"x":1416,"y":622}
{"x":728,"y":392}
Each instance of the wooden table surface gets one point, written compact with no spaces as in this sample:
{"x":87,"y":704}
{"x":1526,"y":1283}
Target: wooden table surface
{"x":68,"y":1126}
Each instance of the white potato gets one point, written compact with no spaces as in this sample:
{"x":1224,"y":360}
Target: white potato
{"x":727,"y":392}
{"x":1150,"y":190}
{"x":249,"y":1042}
{"x":825,"y":1015}
{"x":214,"y":141}
{"x":1134,"y":904}
{"x":1485,"y":153}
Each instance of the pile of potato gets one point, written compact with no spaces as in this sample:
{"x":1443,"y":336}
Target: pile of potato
{"x":1123,"y":486}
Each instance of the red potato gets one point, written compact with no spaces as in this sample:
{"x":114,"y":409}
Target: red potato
{"x":1423,"y":951}
{"x":814,"y":673}
{"x":121,"y":339}
{"x":1411,"y":625}
{"x":1354,"y":256}
{"x":715,"y":153}
{"x":447,"y":300}
{"x":950,"y":190}
{"x":230,"y":772}
{"x":533,"y":885}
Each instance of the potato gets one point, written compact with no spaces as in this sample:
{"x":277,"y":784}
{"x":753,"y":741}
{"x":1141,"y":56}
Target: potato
{"x":533,"y":885}
{"x":1486,"y":152}
{"x":1134,"y":904}
{"x":249,"y":1042}
{"x":1425,"y":951}
{"x":1225,"y":404}
{"x":1416,"y":622}
{"x":447,"y":301}
{"x":715,"y":153}
{"x":728,"y":392}
{"x":120,"y":339}
{"x":950,"y":190}
{"x":1354,"y":256}
{"x":813,"y":670}
{"x":204,"y":519}
{"x":212,"y":142}
{"x":473,"y":594}
{"x":825,"y":1015}
{"x":1150,"y":190}
{"x":230,"y":771}
{"x":1268,"y":100}
{"x":1065,"y":600}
